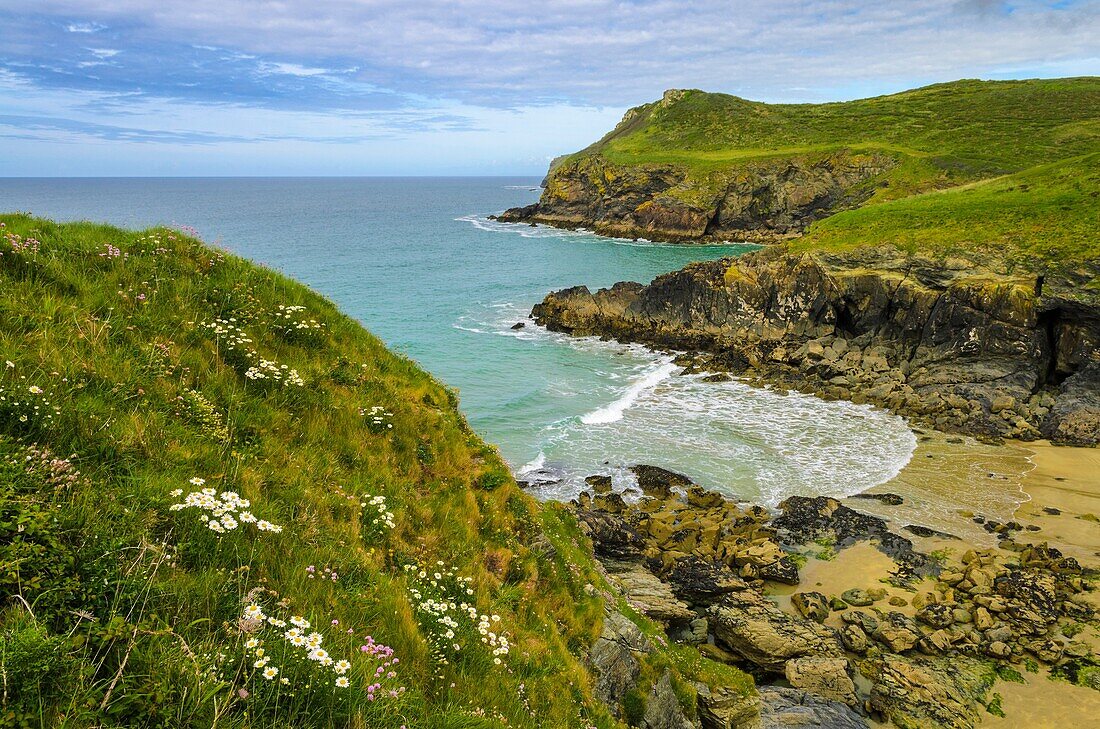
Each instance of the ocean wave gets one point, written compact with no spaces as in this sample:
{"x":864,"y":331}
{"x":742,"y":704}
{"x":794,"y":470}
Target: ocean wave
{"x":526,"y":230}
{"x":614,"y":411}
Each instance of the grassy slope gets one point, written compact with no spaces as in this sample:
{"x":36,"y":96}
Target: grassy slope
{"x":115,"y":610}
{"x":1046,"y":214}
{"x":942,"y":134}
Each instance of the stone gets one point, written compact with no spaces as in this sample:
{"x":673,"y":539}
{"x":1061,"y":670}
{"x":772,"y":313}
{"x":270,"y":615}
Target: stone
{"x":754,"y":628}
{"x":898,"y":632}
{"x":648,"y":593}
{"x":857,"y":597}
{"x":614,"y":658}
{"x":726,"y":708}
{"x":599,"y":484}
{"x":790,"y":708}
{"x":854,"y":639}
{"x":812,"y":605}
{"x":659,"y":482}
{"x":927,"y":692}
{"x":822,"y":676}
{"x":662,"y":708}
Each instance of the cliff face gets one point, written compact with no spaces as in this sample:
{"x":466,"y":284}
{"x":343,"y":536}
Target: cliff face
{"x":962,"y":347}
{"x":763,"y":201}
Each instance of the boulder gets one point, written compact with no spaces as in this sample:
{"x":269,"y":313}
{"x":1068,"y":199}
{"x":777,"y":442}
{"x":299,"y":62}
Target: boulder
{"x":822,"y":676}
{"x":726,"y":708}
{"x":928,"y":693}
{"x":790,"y":708}
{"x":649,"y":594}
{"x":753,"y":627}
{"x":812,"y":605}
{"x":897,"y":631}
{"x":658,"y":482}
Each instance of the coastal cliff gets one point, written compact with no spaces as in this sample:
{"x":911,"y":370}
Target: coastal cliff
{"x":696,"y":166}
{"x":961,"y":347}
{"x":764,"y":201}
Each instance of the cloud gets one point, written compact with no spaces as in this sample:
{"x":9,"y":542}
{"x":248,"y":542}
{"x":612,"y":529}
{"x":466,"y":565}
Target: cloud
{"x":507,"y":52}
{"x":374,"y":69}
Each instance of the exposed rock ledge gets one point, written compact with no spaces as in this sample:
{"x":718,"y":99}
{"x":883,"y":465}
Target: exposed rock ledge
{"x":762,"y":201}
{"x":961,"y":347}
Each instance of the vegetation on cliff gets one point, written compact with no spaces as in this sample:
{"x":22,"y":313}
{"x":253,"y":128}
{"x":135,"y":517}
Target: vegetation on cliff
{"x":222,"y":502}
{"x":703,"y":166}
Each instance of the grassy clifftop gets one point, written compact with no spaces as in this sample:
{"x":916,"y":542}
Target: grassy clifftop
{"x":962,"y":130}
{"x":222,"y":502}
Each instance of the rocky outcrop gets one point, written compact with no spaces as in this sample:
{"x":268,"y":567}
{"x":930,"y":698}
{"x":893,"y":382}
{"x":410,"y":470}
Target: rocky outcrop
{"x":959,"y":346}
{"x":789,"y":708}
{"x":929,"y":694}
{"x":662,"y":708}
{"x":753,"y":627}
{"x":614,"y":658}
{"x":765,"y":200}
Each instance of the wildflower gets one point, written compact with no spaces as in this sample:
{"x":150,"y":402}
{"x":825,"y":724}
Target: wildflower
{"x":341,"y":666}
{"x":343,"y":682}
{"x":254,"y":611}
{"x":34,"y":390}
{"x":271,"y":672}
{"x":260,"y":662}
{"x":251,"y":643}
{"x":196,"y":481}
{"x":318,"y":654}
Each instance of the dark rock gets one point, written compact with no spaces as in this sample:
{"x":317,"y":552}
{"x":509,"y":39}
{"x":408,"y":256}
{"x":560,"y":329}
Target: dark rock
{"x":612,"y":537}
{"x":925,"y":692}
{"x":923,"y":531}
{"x":658,"y":482}
{"x":599,"y":484}
{"x":518,"y":325}
{"x":614,"y":658}
{"x":701,"y":582}
{"x":888,"y":499}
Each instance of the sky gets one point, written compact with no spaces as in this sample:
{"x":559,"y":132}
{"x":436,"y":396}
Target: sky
{"x":465,"y":87}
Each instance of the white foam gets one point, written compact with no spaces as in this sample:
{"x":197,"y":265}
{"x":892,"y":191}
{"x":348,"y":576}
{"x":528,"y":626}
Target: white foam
{"x":614,"y":412}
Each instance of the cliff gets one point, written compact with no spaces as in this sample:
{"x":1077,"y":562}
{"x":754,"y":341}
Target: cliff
{"x":696,"y":166}
{"x":949,"y":343}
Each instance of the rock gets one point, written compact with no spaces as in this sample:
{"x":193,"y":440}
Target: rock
{"x":897,"y":601}
{"x":658,"y":482}
{"x":927,"y":693}
{"x":857,"y":597}
{"x":662,"y":709}
{"x":854,"y":639}
{"x":599,"y":484}
{"x":726,"y":708}
{"x":613,"y":658}
{"x":788,"y":708}
{"x":923,"y":531}
{"x":822,"y":676}
{"x":518,"y":325}
{"x":938,"y":615}
{"x":649,"y":594}
{"x":982,"y":619}
{"x":754,"y":628}
{"x":611,"y":536}
{"x":898,"y":632}
{"x":812,"y":605}
{"x":1075,"y":417}
{"x":998,"y":649}
{"x":887,"y":498}
{"x":701,"y":582}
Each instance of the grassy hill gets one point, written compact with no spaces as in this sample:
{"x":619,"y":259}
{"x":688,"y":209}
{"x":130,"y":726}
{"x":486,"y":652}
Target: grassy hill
{"x":222,"y":502}
{"x":1045,"y":215}
{"x":957,"y":131}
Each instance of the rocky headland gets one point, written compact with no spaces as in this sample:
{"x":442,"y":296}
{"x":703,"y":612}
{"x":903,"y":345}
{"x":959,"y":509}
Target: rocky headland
{"x":961,"y":346}
{"x":764,"y":201}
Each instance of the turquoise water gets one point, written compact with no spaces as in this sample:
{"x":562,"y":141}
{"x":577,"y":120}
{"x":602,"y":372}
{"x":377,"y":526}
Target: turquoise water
{"x":416,"y":260}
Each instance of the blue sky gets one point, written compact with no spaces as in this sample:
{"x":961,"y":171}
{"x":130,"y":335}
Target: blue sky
{"x":384,"y":87}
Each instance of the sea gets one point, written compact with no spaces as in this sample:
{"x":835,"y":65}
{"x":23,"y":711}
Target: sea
{"x":419,"y":263}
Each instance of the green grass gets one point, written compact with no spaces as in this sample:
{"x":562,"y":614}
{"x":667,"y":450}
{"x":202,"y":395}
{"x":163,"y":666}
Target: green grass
{"x":1045,"y":215}
{"x":965,"y":130}
{"x":117,"y":611}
